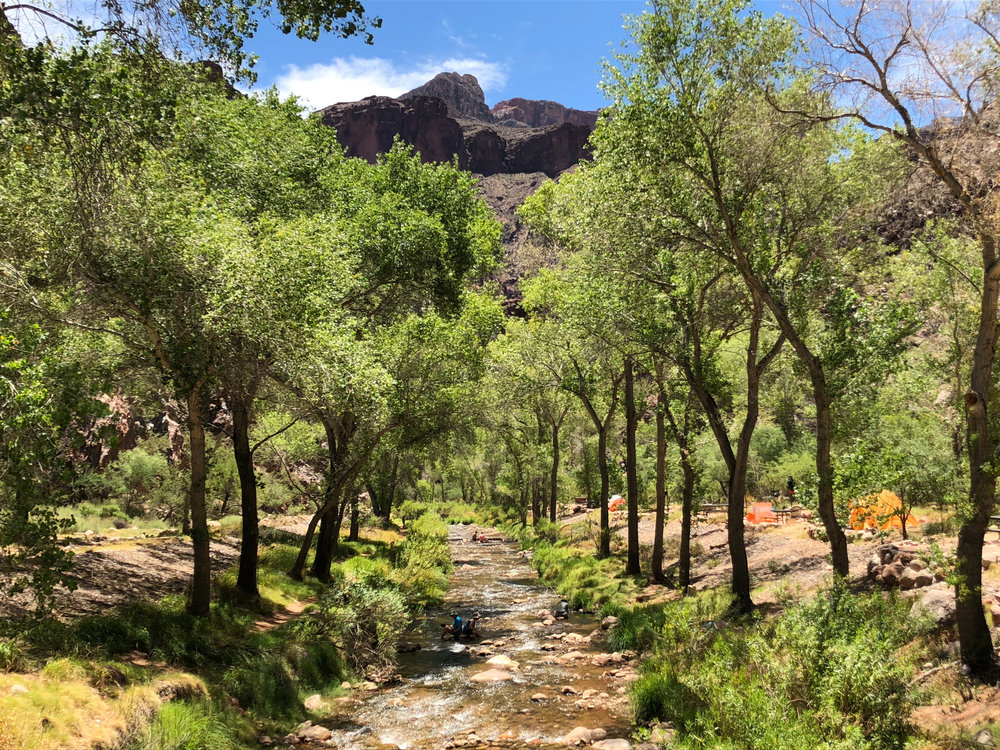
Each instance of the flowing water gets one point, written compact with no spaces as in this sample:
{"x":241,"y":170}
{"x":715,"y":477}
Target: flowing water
{"x":436,"y":703}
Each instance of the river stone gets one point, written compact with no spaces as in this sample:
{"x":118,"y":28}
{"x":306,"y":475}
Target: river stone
{"x":492,"y":675}
{"x":345,"y":685}
{"x":303,"y":726}
{"x":613,"y":745}
{"x":314,"y":702}
{"x":315,"y":733}
{"x":572,"y":656}
{"x":502,"y":661}
{"x":578,"y":736}
{"x":290,"y":739}
{"x":567,"y":690}
{"x":590,"y":693}
{"x":539,"y":697}
{"x":609,"y":622}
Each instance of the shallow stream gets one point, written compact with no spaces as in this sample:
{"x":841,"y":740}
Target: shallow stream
{"x":436,"y":703}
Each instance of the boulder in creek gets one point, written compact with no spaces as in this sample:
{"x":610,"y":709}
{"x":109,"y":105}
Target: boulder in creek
{"x":314,"y":702}
{"x":502,"y":661}
{"x":315,"y":733}
{"x":492,"y":675}
{"x":616,"y":744}
{"x":584,"y":736}
{"x":539,"y":697}
{"x":609,"y":622}
{"x":567,"y":690}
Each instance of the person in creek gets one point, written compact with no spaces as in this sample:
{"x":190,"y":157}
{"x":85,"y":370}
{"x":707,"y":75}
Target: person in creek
{"x":470,"y":628}
{"x":562,"y":610}
{"x":455,"y":629}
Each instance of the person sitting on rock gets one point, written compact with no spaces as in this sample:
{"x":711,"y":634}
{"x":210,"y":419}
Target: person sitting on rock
{"x":469,"y":628}
{"x":455,"y":629}
{"x":562,"y":610}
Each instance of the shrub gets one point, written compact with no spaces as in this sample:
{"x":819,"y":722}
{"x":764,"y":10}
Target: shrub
{"x":12,"y":656}
{"x":187,"y":726}
{"x":264,"y":683}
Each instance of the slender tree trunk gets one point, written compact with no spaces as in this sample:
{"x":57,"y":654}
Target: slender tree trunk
{"x":354,"y":534}
{"x":975,"y":642}
{"x":201,"y":582}
{"x":246,"y":579}
{"x":632,"y":565}
{"x":554,"y":476}
{"x":536,"y":501}
{"x":687,"y":510}
{"x":604,"y":544}
{"x":656,"y":564}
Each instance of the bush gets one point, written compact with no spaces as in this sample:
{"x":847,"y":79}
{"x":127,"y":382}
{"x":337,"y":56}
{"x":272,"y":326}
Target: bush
{"x":12,"y":656}
{"x":362,"y":620}
{"x":265,"y":684}
{"x":831,"y":673}
{"x":187,"y":726}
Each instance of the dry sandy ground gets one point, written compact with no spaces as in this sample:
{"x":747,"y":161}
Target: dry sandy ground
{"x":118,"y":572}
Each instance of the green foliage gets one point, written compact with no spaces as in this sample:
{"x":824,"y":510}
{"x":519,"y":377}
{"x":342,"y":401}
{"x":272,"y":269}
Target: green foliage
{"x":364,"y":622}
{"x":12,"y":655}
{"x":187,"y":725}
{"x":424,"y":561}
{"x":829,"y":673}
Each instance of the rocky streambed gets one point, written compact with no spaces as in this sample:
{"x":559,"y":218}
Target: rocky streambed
{"x":529,"y":680}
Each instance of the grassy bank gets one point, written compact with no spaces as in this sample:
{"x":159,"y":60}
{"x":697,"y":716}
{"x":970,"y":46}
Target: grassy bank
{"x":149,"y":676}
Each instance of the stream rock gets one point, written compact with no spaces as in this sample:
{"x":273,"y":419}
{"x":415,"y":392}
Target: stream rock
{"x":615,"y":744}
{"x":492,"y":675}
{"x":584,"y":736}
{"x":315,"y":733}
{"x":503,"y":662}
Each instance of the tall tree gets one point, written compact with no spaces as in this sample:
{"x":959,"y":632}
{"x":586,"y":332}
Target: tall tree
{"x":895,"y":65}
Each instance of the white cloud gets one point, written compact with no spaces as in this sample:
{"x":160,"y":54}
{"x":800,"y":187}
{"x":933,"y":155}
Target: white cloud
{"x":353,"y":78}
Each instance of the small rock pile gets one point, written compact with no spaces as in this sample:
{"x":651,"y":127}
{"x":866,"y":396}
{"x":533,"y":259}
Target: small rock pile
{"x":902,"y":565}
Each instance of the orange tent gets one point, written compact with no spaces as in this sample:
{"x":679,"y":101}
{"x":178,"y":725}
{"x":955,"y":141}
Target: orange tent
{"x":881,"y":511}
{"x":762,"y":513}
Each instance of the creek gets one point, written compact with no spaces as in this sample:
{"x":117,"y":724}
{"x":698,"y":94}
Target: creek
{"x":437,"y":704}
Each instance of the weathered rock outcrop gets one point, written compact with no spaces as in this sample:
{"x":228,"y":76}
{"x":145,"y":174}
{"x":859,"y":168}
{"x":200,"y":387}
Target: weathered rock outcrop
{"x":455,"y":121}
{"x":461,"y":94}
{"x":539,"y":113}
{"x":367,"y":128}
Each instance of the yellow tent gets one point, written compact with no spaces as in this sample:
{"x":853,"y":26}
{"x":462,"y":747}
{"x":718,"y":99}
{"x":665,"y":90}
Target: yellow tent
{"x":882,"y":511}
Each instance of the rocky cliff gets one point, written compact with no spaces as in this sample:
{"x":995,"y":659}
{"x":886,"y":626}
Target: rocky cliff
{"x":536,"y":113}
{"x":448,"y":116}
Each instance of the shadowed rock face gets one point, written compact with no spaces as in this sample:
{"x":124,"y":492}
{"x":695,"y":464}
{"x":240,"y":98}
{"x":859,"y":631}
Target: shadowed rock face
{"x":455,"y":121}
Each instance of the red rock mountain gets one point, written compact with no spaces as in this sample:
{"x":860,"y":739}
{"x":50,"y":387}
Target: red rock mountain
{"x":448,"y":116}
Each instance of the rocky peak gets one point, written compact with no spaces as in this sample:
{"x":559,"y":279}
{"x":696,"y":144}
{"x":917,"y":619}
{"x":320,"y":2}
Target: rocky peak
{"x":462,"y":94}
{"x":539,"y":113}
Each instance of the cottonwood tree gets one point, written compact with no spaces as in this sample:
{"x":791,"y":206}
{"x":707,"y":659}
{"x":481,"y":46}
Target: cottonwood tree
{"x":690,"y":122}
{"x":925,"y":74}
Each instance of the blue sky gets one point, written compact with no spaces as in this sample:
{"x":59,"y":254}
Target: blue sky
{"x":536,"y":49}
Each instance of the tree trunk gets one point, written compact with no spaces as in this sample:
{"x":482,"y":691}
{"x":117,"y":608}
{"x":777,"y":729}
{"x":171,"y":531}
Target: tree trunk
{"x":632,"y":565}
{"x":536,"y":501}
{"x":326,"y":544}
{"x":975,"y":642}
{"x":687,"y":508}
{"x":354,"y":534}
{"x":604,"y":543}
{"x":201,"y":582}
{"x":246,"y":579}
{"x":554,"y":476}
{"x":656,"y":564}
